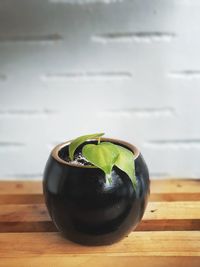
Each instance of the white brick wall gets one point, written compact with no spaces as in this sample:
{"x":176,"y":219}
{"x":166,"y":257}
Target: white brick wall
{"x":129,"y":68}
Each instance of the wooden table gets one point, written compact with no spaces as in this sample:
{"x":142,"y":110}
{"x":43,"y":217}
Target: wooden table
{"x":168,"y":234}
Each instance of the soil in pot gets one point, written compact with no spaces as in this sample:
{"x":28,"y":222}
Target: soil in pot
{"x":78,"y":159}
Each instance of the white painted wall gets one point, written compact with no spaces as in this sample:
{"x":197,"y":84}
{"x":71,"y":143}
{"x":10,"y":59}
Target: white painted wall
{"x":130,"y":68}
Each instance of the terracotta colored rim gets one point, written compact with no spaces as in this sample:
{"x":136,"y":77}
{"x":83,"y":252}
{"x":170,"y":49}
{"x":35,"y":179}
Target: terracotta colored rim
{"x":56,"y":150}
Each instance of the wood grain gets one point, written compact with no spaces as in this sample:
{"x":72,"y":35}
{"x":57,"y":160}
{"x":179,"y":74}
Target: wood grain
{"x":24,"y":213}
{"x":169,"y":233}
{"x":175,"y":186}
{"x":21,"y":199}
{"x":20,"y":187}
{"x":27,"y":227}
{"x":170,"y":243}
{"x":144,"y":225}
{"x":172,"y":210}
{"x":169,"y":225}
{"x":175,"y":197}
{"x":38,"y":198}
{"x":20,"y":192}
{"x":157,"y":186}
{"x":99,"y":261}
{"x":154,"y":211}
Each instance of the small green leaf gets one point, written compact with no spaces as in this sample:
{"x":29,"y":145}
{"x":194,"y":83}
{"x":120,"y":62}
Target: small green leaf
{"x":79,"y":140}
{"x":103,"y":155}
{"x":125,"y":162}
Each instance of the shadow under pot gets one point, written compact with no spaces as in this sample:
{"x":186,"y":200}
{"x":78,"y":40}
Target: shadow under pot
{"x":86,"y":209}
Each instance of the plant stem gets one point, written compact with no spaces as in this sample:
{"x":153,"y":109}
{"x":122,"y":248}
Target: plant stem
{"x":109,"y":179}
{"x":98,"y":140}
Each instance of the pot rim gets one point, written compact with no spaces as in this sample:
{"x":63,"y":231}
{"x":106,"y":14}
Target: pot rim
{"x":56,"y":150}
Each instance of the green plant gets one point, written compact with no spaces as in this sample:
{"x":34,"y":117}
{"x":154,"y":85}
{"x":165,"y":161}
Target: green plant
{"x":105,"y":155}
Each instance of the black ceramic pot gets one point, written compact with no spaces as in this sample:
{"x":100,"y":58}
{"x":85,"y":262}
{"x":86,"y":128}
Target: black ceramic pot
{"x":87,"y":210}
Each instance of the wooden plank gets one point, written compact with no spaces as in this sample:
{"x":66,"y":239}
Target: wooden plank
{"x":38,"y":198}
{"x":175,"y":186}
{"x":20,"y":187}
{"x":27,"y":227}
{"x":170,"y":243}
{"x":154,"y":211}
{"x":172,"y":210}
{"x":157,"y":186}
{"x":21,"y":199}
{"x":99,"y":261}
{"x":24,"y":213}
{"x":169,"y":225}
{"x":144,"y":225}
{"x":31,"y":192}
{"x":159,"y":243}
{"x":175,"y":197}
{"x":159,"y":216}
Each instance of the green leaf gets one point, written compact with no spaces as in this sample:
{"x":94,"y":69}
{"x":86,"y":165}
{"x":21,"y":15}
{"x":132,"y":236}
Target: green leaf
{"x":103,"y":155}
{"x":79,"y":140}
{"x":125,"y":162}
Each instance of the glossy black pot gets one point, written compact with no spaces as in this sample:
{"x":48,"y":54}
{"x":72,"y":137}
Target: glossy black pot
{"x":84,"y":207}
